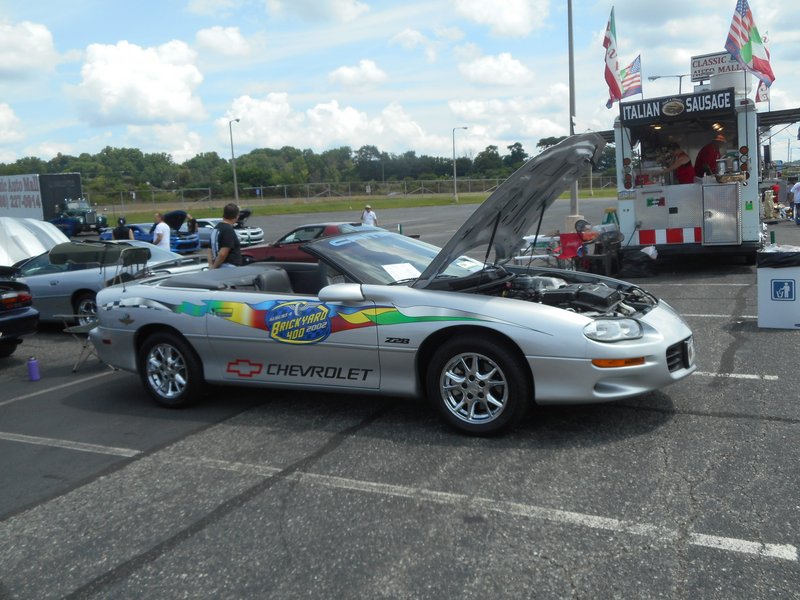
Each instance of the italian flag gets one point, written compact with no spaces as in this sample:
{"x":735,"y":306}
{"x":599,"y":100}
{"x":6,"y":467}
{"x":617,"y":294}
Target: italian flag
{"x":746,"y":45}
{"x":612,"y":62}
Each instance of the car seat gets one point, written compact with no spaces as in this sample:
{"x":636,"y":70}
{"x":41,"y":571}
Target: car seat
{"x":273,"y":280}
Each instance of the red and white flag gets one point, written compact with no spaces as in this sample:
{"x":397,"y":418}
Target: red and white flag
{"x":612,"y":62}
{"x":762,"y":93}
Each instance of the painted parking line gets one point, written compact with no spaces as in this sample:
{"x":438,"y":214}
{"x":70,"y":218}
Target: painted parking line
{"x":752,"y":376}
{"x":56,"y":387}
{"x":710,"y":316}
{"x":702,"y":284}
{"x":788,"y":552}
{"x":68,"y":445}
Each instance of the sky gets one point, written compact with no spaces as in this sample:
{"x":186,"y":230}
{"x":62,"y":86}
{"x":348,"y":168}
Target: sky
{"x":171,"y":75}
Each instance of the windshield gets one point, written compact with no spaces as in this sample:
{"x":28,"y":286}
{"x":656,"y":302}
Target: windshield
{"x":383,"y":257}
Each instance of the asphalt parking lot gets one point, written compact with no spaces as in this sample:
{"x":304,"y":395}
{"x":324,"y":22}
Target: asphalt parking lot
{"x":690,"y":492}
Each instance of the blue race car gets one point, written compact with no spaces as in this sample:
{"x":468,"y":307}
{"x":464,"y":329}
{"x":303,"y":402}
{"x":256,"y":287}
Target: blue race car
{"x":181,"y":242}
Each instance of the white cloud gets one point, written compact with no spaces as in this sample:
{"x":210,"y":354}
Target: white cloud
{"x":10,"y":125}
{"x":502,"y":69}
{"x":227,"y":41}
{"x":449,"y":34}
{"x":268,"y":122}
{"x":515,"y":119}
{"x":366,"y":73}
{"x":175,"y":139}
{"x":126,"y":84}
{"x":411,"y":38}
{"x":212,"y":7}
{"x":341,"y":11}
{"x":272,"y":122}
{"x":508,"y":18}
{"x":337,"y":123}
{"x":26,"y":49}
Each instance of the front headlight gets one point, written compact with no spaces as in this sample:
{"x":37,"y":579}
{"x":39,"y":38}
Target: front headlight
{"x":613,"y":330}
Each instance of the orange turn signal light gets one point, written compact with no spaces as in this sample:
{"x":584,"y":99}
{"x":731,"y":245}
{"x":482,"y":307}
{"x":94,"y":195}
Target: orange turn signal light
{"x":612,"y":363}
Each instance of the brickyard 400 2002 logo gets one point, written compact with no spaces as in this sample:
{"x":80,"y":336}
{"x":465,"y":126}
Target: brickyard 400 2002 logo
{"x":299,"y":322}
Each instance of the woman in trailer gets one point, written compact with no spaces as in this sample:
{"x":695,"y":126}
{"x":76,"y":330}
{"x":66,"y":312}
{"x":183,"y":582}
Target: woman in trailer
{"x":680,"y":164}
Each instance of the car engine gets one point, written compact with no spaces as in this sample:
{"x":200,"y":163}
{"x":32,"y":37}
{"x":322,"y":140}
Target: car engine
{"x":585,"y":295}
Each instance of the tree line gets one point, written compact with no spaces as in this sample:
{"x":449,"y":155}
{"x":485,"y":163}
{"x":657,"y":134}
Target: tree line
{"x":115,"y":170}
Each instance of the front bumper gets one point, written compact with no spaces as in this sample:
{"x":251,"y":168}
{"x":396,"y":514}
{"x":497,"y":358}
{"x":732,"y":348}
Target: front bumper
{"x":667,"y":349}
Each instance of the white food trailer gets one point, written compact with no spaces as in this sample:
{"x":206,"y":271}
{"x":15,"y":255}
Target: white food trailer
{"x":715,"y":214}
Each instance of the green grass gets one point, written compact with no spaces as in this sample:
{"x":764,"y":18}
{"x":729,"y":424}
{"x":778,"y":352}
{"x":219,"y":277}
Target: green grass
{"x":354,"y":203}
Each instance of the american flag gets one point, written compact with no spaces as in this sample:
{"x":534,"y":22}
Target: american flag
{"x":631,"y":77}
{"x":746,"y":46}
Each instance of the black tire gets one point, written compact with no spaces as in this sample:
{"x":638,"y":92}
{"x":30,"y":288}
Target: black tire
{"x":7,"y":348}
{"x":85,"y":303}
{"x":478,"y":386}
{"x":170,"y":370}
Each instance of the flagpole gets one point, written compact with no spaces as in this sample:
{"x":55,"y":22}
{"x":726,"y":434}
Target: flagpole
{"x":573,"y":198}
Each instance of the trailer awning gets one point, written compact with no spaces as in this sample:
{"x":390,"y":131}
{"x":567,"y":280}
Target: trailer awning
{"x":779,"y":117}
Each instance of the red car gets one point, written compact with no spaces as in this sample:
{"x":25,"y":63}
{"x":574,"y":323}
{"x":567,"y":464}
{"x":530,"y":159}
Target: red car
{"x":287,"y":248}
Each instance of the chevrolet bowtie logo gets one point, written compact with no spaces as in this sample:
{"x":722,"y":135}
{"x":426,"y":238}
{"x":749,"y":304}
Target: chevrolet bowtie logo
{"x":244,"y":368}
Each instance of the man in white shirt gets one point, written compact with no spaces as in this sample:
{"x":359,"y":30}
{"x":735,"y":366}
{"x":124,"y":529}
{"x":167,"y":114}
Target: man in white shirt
{"x":796,"y":191}
{"x":368,"y":217}
{"x":161,"y":233}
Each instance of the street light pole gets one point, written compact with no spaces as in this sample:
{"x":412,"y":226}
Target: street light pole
{"x":680,"y":80}
{"x":455,"y":177}
{"x":233,"y":162}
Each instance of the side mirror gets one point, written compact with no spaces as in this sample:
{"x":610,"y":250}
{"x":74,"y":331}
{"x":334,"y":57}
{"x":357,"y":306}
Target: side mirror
{"x":342,"y":292}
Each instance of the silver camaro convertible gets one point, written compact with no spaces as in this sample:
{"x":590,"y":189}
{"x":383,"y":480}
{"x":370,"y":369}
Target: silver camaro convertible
{"x":383,"y":313}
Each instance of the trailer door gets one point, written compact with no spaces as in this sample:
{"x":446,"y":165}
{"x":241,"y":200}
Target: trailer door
{"x":722,"y":214}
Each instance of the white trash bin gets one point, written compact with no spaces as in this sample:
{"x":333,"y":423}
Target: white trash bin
{"x":778,"y":275}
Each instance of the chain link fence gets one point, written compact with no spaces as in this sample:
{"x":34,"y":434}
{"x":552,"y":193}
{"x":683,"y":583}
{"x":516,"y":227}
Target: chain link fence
{"x":119,"y":202}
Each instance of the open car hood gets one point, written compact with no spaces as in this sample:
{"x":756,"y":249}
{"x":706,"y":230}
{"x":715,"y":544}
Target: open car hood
{"x":514,"y":208}
{"x":23,"y":238}
{"x":244,"y":214}
{"x":175,"y":218}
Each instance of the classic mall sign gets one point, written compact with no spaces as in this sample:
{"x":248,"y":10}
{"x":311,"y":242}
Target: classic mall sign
{"x":706,"y":65}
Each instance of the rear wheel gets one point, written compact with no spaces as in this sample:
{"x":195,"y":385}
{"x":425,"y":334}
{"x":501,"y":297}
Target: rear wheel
{"x":170,"y":370}
{"x":478,"y":386}
{"x":85,"y":307}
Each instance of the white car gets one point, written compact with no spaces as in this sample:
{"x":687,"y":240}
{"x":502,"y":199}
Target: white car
{"x":248,"y":235}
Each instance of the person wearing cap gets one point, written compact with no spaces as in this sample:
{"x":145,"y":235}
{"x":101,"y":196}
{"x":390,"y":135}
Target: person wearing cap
{"x":706,"y":161}
{"x":122,"y":231}
{"x":368,"y":217}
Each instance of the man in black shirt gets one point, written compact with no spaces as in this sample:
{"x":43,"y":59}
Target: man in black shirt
{"x":225,"y":249}
{"x":122,"y":231}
